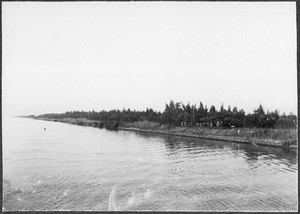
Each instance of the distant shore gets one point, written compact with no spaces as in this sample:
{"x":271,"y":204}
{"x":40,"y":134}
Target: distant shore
{"x":287,"y":138}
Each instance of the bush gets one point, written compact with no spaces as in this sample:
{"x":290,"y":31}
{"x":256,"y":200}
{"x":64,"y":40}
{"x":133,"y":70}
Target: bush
{"x":111,"y":125}
{"x":80,"y":123}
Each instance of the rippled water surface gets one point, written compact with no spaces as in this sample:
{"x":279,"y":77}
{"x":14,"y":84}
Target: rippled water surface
{"x":69,"y":167}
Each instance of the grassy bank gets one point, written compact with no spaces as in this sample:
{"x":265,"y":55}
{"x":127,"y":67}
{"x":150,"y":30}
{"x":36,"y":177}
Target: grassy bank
{"x":272,"y":137}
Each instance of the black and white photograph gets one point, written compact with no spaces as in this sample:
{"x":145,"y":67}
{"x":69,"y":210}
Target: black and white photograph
{"x":149,"y":106}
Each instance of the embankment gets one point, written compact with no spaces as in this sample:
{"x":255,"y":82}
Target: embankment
{"x":268,"y":137}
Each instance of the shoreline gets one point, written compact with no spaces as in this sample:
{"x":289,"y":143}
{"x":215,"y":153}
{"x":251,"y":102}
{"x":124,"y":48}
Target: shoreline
{"x":183,"y":132}
{"x":231,"y":139}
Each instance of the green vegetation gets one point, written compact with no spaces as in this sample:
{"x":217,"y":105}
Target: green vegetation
{"x":260,"y":127}
{"x":178,"y":114}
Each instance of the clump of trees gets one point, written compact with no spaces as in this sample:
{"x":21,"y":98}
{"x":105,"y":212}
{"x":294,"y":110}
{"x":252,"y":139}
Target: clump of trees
{"x":178,"y":114}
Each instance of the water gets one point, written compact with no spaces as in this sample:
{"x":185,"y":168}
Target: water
{"x":69,"y":167}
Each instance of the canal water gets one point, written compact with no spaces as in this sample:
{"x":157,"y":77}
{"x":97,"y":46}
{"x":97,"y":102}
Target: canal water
{"x":57,"y":166}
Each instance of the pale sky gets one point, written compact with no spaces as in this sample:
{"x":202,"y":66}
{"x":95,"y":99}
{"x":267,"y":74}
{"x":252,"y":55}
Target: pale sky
{"x":65,"y":56}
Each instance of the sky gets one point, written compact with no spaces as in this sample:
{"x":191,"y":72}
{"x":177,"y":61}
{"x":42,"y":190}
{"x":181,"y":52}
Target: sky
{"x":65,"y":56}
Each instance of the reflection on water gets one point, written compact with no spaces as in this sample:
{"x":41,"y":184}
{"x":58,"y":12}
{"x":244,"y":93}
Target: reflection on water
{"x":68,"y":167}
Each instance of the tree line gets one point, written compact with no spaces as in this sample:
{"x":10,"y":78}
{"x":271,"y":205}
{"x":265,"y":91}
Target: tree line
{"x":179,"y":114}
